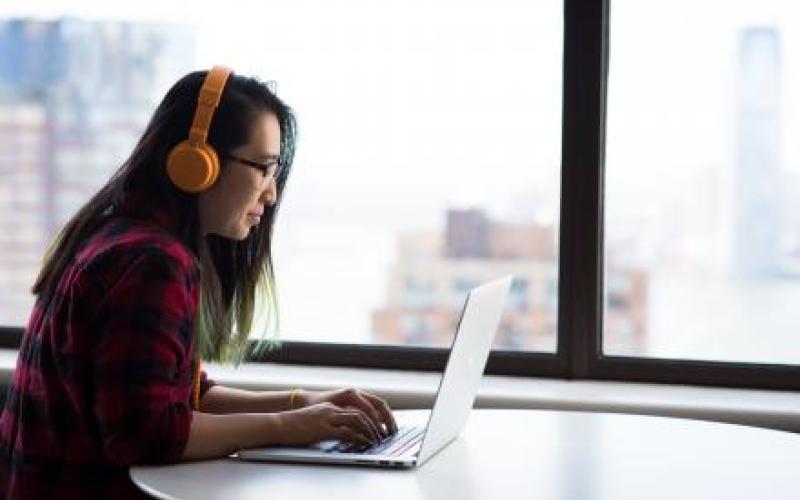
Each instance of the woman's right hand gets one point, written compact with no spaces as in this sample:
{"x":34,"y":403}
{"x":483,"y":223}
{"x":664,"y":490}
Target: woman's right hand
{"x":324,"y":421}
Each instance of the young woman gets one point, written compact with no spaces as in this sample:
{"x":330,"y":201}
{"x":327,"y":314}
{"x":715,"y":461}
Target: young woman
{"x":159,"y":269}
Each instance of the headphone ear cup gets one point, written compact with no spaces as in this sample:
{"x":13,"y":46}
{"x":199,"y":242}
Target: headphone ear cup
{"x":193,"y":168}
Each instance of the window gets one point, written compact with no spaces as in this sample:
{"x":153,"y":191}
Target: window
{"x":702,"y":238}
{"x":415,"y":168}
{"x":481,"y":150}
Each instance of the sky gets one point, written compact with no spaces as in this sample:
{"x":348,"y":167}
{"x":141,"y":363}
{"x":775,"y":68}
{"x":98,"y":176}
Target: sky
{"x":672,"y":75}
{"x":409,"y":107}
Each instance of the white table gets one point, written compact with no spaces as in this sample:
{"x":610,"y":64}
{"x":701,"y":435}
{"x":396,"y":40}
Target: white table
{"x":528,"y":454}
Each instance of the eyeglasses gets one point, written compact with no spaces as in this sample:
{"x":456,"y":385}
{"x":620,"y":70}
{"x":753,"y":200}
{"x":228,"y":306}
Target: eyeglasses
{"x":269,"y":169}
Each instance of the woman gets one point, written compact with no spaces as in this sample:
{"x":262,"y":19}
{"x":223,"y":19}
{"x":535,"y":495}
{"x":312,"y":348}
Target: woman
{"x":159,"y":269}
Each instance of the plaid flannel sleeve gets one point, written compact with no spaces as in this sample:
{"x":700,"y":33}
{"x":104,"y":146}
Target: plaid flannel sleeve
{"x":144,"y":327}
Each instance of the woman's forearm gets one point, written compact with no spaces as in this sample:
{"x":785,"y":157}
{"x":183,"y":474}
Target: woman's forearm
{"x":216,"y":436}
{"x":224,"y":400}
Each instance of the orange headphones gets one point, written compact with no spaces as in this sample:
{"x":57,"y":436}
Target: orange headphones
{"x":193,"y":165}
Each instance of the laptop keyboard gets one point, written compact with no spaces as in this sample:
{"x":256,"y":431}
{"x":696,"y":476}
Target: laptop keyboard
{"x":393,"y":446}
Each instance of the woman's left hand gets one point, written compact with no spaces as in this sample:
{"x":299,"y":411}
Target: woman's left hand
{"x":375,"y":409}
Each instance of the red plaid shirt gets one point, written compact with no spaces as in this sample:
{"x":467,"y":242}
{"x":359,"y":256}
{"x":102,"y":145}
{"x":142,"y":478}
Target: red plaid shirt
{"x":104,"y":373}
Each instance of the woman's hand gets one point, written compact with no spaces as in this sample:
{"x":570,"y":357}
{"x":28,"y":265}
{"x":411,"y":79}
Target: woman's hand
{"x":322,"y":421}
{"x":375,"y":409}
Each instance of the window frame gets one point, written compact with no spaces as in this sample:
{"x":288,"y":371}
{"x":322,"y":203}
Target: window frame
{"x":579,"y":352}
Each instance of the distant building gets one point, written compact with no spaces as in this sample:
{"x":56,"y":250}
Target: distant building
{"x":757,"y":177}
{"x":467,"y":234}
{"x":433,"y":273}
{"x":74,"y":98}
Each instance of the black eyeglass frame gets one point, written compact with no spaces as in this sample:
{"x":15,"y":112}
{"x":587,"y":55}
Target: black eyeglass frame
{"x":263,"y":167}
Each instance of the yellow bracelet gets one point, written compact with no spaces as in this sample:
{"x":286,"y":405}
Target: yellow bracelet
{"x":295,"y":393}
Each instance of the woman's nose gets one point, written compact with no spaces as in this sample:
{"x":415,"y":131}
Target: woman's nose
{"x":270,"y":193}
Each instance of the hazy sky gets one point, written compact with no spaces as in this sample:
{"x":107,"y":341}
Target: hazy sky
{"x":672,"y":72}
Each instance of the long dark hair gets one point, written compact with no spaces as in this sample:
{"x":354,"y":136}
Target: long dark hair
{"x":232,"y":273}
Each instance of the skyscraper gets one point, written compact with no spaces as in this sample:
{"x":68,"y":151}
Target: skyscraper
{"x":757,"y":201}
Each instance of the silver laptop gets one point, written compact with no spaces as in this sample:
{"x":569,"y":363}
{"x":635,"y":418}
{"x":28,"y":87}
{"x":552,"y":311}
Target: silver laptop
{"x":415,"y":443}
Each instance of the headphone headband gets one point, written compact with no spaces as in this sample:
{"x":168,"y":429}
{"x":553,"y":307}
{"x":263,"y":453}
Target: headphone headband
{"x":207,"y":102}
